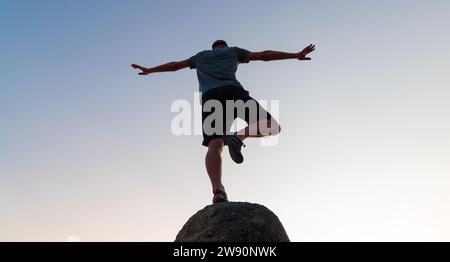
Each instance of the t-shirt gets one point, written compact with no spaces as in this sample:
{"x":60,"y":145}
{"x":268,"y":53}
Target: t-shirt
{"x":217,"y":67}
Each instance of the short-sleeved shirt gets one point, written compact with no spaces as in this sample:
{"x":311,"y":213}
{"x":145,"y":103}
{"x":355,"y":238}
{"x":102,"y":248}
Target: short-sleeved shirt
{"x":217,"y":67}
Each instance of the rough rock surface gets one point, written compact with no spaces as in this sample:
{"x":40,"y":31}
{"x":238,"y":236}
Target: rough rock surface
{"x":233,"y":222}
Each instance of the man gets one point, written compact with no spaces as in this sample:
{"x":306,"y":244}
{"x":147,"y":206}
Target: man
{"x":216,"y":70}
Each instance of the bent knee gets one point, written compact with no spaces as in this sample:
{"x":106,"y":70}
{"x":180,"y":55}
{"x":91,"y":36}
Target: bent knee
{"x":274,"y":126}
{"x":275,"y":130}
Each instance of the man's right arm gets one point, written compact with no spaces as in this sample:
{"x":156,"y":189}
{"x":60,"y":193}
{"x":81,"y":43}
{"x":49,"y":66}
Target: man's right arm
{"x":270,"y":55}
{"x":168,"y":67}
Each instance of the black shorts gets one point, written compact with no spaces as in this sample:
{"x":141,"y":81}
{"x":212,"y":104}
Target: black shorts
{"x":234,"y":93}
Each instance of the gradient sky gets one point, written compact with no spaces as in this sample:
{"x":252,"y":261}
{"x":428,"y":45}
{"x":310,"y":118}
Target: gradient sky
{"x":86,"y":149}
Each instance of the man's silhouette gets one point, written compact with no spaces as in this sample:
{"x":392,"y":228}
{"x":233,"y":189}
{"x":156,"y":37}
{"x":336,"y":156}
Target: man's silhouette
{"x":216,"y":70}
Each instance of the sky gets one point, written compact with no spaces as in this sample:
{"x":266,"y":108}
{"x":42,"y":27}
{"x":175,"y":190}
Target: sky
{"x":87,"y":153}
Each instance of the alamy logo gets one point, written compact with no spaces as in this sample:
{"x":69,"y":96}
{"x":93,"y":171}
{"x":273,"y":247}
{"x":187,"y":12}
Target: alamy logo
{"x":224,"y":117}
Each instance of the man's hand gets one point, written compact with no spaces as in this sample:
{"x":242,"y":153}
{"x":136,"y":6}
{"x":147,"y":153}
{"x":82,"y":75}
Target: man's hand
{"x":302,"y":55}
{"x":144,"y":70}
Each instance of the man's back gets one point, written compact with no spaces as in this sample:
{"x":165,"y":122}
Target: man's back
{"x":217,"y":67}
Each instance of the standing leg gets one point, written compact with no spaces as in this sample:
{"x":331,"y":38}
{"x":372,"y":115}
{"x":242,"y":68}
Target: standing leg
{"x":213,"y":162}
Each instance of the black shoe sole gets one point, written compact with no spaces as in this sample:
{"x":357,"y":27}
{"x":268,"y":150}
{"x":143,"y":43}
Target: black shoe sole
{"x":221,"y":201}
{"x":235,"y":153}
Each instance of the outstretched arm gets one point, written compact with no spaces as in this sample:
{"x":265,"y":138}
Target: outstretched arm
{"x":168,"y":67}
{"x":276,"y":55}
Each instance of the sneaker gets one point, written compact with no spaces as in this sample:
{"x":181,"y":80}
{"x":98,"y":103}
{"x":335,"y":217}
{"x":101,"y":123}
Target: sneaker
{"x":220,"y":196}
{"x":234,"y":147}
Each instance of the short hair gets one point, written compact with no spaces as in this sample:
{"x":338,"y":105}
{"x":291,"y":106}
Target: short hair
{"x":219,"y":42}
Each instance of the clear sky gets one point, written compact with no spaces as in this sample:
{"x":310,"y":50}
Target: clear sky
{"x":86,"y":149}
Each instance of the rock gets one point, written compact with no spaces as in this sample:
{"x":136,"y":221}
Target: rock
{"x":233,"y":222}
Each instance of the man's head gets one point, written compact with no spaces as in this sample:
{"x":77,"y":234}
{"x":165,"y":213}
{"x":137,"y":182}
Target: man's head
{"x":219,"y":44}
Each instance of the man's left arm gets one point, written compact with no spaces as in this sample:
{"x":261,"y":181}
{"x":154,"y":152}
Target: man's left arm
{"x":270,"y":55}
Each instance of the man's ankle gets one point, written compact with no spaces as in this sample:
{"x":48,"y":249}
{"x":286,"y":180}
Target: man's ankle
{"x":241,"y":137}
{"x":220,"y":187}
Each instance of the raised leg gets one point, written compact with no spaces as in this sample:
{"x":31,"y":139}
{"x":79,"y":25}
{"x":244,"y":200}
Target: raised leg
{"x":264,"y":127}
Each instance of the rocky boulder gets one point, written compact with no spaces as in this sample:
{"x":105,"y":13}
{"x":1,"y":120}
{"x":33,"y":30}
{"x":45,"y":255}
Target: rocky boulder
{"x":233,"y":222}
